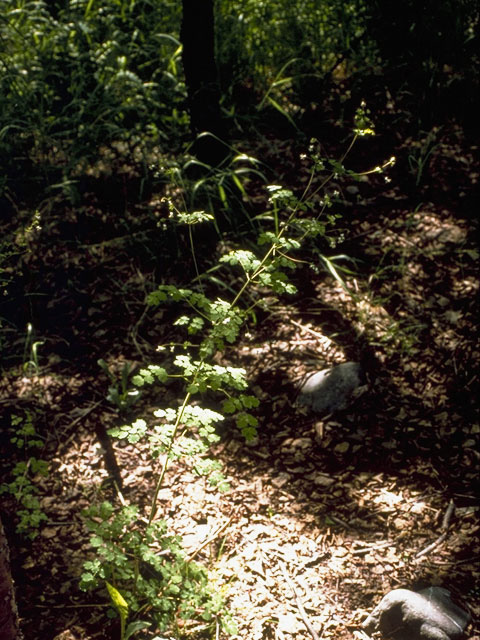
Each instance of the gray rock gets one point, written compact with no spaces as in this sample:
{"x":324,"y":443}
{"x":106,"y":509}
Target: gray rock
{"x":427,"y":615}
{"x":332,"y":389}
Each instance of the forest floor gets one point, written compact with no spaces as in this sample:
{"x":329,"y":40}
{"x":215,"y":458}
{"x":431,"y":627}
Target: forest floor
{"x":323,"y":516}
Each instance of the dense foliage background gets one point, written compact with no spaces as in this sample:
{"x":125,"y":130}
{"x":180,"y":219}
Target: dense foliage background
{"x":77,"y":76}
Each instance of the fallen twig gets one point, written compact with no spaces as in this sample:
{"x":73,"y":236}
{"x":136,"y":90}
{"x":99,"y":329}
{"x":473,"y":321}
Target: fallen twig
{"x":445,"y":525}
{"x":214,"y":535}
{"x":432,"y":546}
{"x":301,"y":610}
{"x":83,"y":414}
{"x":448,"y":516}
{"x":371,"y":547}
{"x":307,"y":329}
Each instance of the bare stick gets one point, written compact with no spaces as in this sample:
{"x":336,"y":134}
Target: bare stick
{"x":214,"y":535}
{"x":301,"y":610}
{"x":445,"y":525}
{"x":307,"y":329}
{"x":448,"y":515}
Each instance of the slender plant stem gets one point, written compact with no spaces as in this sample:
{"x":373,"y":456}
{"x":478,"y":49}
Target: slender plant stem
{"x":249,"y":278}
{"x":163,"y":470}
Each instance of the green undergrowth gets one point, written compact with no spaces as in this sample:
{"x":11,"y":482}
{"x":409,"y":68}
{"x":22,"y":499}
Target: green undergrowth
{"x":78,"y":76}
{"x":81,"y":79}
{"x":24,"y":476}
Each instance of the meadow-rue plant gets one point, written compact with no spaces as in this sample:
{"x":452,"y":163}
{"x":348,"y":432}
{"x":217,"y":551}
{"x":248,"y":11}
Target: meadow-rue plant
{"x":137,"y":557}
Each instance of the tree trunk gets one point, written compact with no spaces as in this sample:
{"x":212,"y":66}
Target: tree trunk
{"x":9,"y":629}
{"x":198,"y":39}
